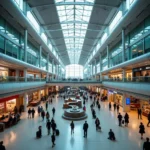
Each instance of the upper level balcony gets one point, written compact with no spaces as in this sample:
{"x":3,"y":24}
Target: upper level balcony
{"x":139,"y":85}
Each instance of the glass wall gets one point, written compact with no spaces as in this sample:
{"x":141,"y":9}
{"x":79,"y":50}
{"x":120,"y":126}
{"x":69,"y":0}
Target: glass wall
{"x":74,"y":71}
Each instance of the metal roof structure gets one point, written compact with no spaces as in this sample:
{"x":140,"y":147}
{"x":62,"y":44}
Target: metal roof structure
{"x":74,"y":26}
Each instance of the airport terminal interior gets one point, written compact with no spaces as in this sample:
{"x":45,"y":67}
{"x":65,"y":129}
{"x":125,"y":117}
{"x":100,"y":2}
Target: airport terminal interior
{"x":74,"y":74}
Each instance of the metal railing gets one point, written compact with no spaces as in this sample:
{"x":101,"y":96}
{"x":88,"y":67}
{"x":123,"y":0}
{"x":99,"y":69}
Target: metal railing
{"x":73,"y":81}
{"x":145,"y":79}
{"x":19,"y":79}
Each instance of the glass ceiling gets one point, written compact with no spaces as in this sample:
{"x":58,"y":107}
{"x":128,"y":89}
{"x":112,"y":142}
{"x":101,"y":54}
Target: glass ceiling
{"x":74,"y":16}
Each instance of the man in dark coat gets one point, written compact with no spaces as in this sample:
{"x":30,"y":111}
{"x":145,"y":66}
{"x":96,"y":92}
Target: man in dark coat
{"x":85,"y":128}
{"x":139,"y":113}
{"x":119,"y":119}
{"x":48,"y":125}
{"x":146,"y":145}
{"x":53,"y":110}
{"x":53,"y":139}
{"x":33,"y":112}
{"x":2,"y":147}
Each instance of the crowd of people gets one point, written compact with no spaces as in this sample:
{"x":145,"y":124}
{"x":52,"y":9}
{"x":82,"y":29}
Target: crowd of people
{"x":95,"y":100}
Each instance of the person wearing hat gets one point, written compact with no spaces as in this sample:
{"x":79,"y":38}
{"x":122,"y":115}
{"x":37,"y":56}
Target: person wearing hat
{"x":2,"y":147}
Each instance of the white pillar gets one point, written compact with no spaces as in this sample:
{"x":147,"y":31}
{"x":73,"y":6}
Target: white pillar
{"x":25,"y":75}
{"x":107,"y":56}
{"x":100,"y":58}
{"x":17,"y":74}
{"x":52,"y":69}
{"x":40,"y":56}
{"x":123,"y":75}
{"x":25,"y":101}
{"x":47,"y":75}
{"x":25,"y":44}
{"x":123,"y":45}
{"x":95,"y":69}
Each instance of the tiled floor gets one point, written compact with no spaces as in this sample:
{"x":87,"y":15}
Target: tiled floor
{"x":22,"y":136}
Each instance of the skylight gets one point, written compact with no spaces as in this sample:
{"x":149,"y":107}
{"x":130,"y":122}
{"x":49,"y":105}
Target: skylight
{"x":74,"y":16}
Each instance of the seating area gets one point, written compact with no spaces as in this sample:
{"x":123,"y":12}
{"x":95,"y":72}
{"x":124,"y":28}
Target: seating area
{"x":9,"y":120}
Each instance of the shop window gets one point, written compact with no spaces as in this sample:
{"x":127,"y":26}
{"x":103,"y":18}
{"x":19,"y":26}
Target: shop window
{"x":137,"y":32}
{"x":147,"y":24}
{"x":117,"y":59}
{"x":2,"y":25}
{"x":147,"y":44}
{"x":2,"y":45}
{"x":137,"y":49}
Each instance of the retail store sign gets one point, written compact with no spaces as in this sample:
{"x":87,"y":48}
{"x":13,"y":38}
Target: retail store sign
{"x":127,"y":101}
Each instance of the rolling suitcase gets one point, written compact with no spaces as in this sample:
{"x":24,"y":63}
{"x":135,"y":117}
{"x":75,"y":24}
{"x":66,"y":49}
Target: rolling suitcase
{"x":57,"y":132}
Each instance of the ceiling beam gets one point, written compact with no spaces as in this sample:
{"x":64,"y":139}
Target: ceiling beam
{"x":70,"y":37}
{"x":56,"y":30}
{"x":74,"y":3}
{"x":73,"y":22}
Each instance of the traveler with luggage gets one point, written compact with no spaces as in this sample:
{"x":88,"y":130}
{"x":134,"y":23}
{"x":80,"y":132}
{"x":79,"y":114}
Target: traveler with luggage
{"x":120,"y":119}
{"x":97,"y":123}
{"x":53,"y":139}
{"x":39,"y":132}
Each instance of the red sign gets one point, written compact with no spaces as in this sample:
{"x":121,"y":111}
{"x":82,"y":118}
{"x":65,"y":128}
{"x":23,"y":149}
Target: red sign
{"x":8,"y":98}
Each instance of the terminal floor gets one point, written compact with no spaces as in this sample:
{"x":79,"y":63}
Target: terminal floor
{"x":22,"y":136}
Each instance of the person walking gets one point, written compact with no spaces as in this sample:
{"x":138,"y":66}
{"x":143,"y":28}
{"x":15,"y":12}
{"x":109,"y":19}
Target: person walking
{"x":118,"y":108}
{"x":139,"y":113}
{"x":109,"y":106}
{"x":97,"y":123}
{"x":99,"y":106}
{"x":53,"y":126}
{"x":141,"y":130}
{"x":46,"y":105}
{"x":43,"y":115}
{"x":2,"y":147}
{"x":39,"y":110}
{"x":29,"y":113}
{"x":126,"y":119}
{"x":114,"y":106}
{"x":33,"y":112}
{"x":47,"y":116}
{"x":53,"y":111}
{"x":53,"y":139}
{"x":85,"y":128}
{"x":148,"y":117}
{"x":120,"y":119}
{"x":48,"y":125}
{"x":72,"y":127}
{"x":146,"y":145}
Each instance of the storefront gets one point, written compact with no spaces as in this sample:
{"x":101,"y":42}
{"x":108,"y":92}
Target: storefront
{"x":137,"y":101}
{"x":141,"y":71}
{"x":116,"y":97}
{"x":116,"y":76}
{"x":42,"y":93}
{"x":8,"y":104}
{"x":3,"y":73}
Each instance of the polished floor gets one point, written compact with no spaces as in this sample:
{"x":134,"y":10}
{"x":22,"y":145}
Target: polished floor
{"x":22,"y":136}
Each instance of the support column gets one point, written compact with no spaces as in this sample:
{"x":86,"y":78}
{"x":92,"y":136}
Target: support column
{"x":107,"y":56}
{"x":126,"y":107}
{"x":25,"y":44}
{"x":46,"y":90}
{"x":39,"y":94}
{"x":95,"y":69}
{"x":17,"y":75}
{"x":40,"y":56}
{"x":25,"y":101}
{"x":100,"y":59}
{"x":123,"y":45}
{"x":123,"y":75}
{"x":47,"y":75}
{"x":52,"y":69}
{"x":25,"y":75}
